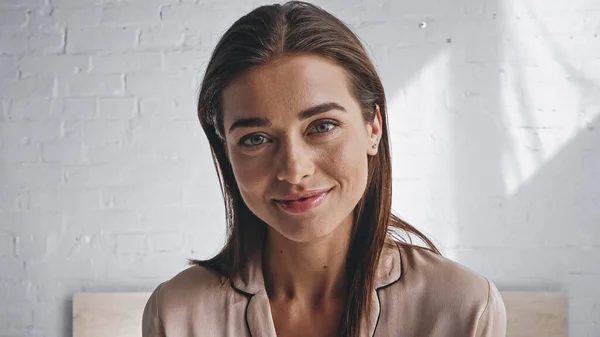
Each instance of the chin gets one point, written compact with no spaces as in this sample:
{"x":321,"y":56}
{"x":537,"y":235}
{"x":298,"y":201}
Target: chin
{"x":304,"y":231}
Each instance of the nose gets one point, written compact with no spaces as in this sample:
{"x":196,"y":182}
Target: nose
{"x":293,"y":161}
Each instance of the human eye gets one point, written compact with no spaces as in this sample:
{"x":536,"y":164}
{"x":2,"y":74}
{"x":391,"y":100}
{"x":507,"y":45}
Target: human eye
{"x":325,"y":126}
{"x":253,"y":140}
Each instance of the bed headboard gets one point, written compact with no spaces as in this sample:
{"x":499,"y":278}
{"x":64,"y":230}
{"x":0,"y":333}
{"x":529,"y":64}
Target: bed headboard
{"x":530,"y":314}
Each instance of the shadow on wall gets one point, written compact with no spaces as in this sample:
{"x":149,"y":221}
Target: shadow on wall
{"x":502,"y":90}
{"x":526,"y":147}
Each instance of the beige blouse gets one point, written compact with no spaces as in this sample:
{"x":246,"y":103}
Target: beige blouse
{"x":417,"y":294}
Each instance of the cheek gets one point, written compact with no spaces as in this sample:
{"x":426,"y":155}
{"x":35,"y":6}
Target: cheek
{"x":348,"y":162}
{"x":249,"y":174}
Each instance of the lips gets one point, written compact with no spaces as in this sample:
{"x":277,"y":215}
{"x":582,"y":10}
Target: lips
{"x":301,"y":195}
{"x":302,"y":202}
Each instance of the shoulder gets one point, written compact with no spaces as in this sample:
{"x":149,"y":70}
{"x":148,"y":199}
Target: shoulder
{"x":192,"y":284}
{"x":438,"y":273}
{"x":189,"y":288}
{"x":439,"y":287}
{"x":193,"y":298}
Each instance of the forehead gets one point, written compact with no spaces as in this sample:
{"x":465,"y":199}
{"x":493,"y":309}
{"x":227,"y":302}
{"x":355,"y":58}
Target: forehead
{"x":285,"y":86}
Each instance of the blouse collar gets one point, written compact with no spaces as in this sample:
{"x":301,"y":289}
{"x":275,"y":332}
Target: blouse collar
{"x":389,"y":269}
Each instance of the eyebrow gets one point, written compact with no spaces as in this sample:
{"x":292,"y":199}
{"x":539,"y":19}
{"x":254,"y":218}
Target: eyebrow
{"x":304,"y":114}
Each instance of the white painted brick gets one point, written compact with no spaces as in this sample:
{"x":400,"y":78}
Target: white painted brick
{"x":130,"y":15}
{"x":122,"y":63}
{"x":195,"y":194}
{"x":8,"y":67}
{"x":590,"y":163}
{"x":164,"y":172}
{"x":117,"y":108}
{"x":22,"y":3}
{"x":192,"y":60}
{"x":14,"y":153}
{"x":11,"y":268}
{"x":467,"y":8}
{"x":31,"y":246}
{"x":76,"y":3}
{"x":193,"y":40}
{"x":164,"y":37}
{"x":78,"y":222}
{"x":32,"y":109}
{"x":141,"y":267}
{"x":25,"y":132}
{"x":88,"y":84}
{"x":511,"y":97}
{"x":16,"y":317}
{"x":195,"y":16}
{"x":176,"y":13}
{"x":147,"y":2}
{"x":53,"y":65}
{"x":72,"y":129}
{"x":53,"y":290}
{"x":141,"y":197}
{"x":100,"y":39}
{"x":26,"y":222}
{"x":87,"y":175}
{"x":48,"y":41}
{"x":556,"y":24}
{"x":41,"y":19}
{"x":30,"y":175}
{"x":591,"y":67}
{"x":545,"y":7}
{"x":7,"y":246}
{"x":13,"y":18}
{"x":166,"y":242}
{"x":44,"y":319}
{"x":158,"y":108}
{"x":69,"y":268}
{"x":206,"y":241}
{"x":179,"y":131}
{"x":11,"y":199}
{"x":27,"y":88}
{"x":591,"y":20}
{"x":63,"y":151}
{"x":160,"y":84}
{"x":577,"y":44}
{"x":107,"y":154}
{"x":80,"y":247}
{"x":64,"y":198}
{"x":78,"y":16}
{"x":169,"y":108}
{"x":73,"y":108}
{"x":131,"y":243}
{"x":106,"y":132}
{"x":3,"y":110}
{"x":176,"y":219}
{"x":13,"y":44}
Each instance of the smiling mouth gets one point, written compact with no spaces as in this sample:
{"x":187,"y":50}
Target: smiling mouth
{"x":302,"y":205}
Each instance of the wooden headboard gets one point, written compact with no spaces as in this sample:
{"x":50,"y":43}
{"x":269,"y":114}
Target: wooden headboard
{"x":530,"y":314}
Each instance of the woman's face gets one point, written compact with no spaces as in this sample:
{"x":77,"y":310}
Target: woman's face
{"x":292,"y":126}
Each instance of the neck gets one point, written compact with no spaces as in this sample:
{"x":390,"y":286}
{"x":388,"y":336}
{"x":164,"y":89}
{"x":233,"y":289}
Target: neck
{"x":308,"y":272}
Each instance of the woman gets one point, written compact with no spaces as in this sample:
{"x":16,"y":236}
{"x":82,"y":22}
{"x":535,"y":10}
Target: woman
{"x":295,"y":115}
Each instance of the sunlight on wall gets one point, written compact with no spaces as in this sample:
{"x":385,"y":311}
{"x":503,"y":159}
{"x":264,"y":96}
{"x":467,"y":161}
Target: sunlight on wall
{"x":540,"y":90}
{"x":422,"y":155}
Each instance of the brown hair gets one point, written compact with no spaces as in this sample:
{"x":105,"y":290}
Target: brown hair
{"x":257,"y":38}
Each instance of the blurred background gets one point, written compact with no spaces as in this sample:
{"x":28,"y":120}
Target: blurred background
{"x":106,"y":180}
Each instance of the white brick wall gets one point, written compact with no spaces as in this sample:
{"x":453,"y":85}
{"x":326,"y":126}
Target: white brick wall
{"x":106,"y":182}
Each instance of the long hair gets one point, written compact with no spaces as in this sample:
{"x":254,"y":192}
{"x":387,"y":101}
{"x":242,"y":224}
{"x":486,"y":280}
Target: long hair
{"x":257,"y":38}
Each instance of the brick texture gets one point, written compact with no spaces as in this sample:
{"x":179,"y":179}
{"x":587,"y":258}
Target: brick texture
{"x":106,"y":181}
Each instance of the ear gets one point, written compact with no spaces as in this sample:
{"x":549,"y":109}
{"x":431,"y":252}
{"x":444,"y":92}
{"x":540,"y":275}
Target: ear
{"x":374,"y":131}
